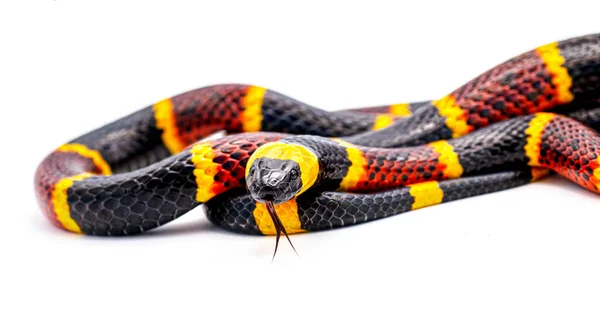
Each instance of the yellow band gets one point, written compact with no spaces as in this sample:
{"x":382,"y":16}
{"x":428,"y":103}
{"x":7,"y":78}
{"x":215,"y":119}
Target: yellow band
{"x":357,"y":169}
{"x":554,"y":61}
{"x":456,"y":117}
{"x":287,"y":213}
{"x":596,"y":173}
{"x":449,"y":158}
{"x":426,"y":194}
{"x":251,"y":117}
{"x":382,"y":121}
{"x":401,"y":110}
{"x":534,"y":136}
{"x":204,"y":170}
{"x":165,"y":121}
{"x":94,"y":155}
{"x":61,"y":205}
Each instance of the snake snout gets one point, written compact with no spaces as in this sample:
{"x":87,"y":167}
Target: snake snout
{"x":271,"y":186}
{"x":263,"y":193}
{"x":275,"y":178}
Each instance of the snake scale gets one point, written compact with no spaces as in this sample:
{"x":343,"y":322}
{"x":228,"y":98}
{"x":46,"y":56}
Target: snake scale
{"x":286,"y":166}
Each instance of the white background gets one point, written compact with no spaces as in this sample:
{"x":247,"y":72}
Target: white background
{"x":523,"y":256}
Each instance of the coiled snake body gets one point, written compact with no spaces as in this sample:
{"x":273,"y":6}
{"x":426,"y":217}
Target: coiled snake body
{"x":342,"y":168}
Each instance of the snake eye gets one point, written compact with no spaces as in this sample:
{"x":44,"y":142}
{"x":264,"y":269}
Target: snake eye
{"x":294,"y":174}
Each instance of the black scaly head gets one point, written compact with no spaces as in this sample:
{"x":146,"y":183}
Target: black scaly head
{"x":274,"y":180}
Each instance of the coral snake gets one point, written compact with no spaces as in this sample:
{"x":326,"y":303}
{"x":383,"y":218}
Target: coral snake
{"x":308,"y":169}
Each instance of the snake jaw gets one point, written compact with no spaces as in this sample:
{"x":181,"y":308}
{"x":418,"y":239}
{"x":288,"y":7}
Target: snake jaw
{"x":279,"y":228}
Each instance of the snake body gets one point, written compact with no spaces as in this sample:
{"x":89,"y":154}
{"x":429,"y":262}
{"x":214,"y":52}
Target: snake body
{"x":147,"y":169}
{"x":324,"y":210}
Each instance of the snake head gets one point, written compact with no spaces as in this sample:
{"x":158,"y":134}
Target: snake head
{"x":274,"y":180}
{"x":277,"y":172}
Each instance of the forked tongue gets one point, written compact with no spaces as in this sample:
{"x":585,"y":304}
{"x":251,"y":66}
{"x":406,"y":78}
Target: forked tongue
{"x":279,"y":228}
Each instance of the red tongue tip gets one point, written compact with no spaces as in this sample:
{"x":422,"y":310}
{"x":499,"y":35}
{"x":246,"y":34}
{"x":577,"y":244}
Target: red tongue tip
{"x":279,"y":228}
